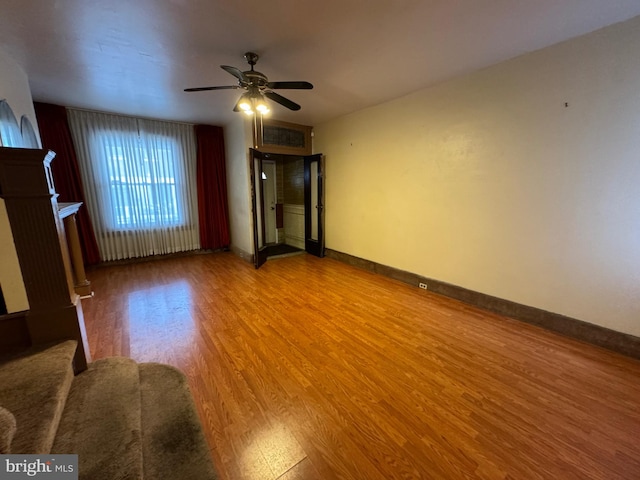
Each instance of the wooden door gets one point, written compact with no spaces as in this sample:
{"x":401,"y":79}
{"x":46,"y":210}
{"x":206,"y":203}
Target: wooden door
{"x":270,"y":200}
{"x":314,"y":205}
{"x":257,"y":202}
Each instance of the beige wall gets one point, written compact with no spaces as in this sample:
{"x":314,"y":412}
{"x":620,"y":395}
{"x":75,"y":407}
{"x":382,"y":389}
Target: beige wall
{"x":238,"y":140}
{"x":491,"y":183}
{"x":14,"y":88}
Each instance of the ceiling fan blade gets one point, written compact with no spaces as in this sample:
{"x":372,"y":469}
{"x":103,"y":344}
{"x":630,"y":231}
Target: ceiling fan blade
{"x":202,"y":89}
{"x":236,"y":72}
{"x":290,"y":85}
{"x":285,"y":102}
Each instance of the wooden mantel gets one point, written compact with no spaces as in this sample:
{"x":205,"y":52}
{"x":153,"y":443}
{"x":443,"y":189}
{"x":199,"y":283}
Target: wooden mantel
{"x":55,"y":311}
{"x":67,"y":212}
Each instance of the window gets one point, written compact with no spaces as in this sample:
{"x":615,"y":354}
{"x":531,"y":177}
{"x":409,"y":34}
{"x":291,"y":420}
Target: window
{"x":282,"y":137}
{"x":142,"y":186}
{"x":29,"y":137}
{"x":10,"y":135}
{"x":139,"y":178}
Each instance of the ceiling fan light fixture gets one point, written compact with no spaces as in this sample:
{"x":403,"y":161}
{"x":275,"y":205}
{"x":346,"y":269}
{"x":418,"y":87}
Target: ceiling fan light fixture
{"x":253,"y":102}
{"x":261,"y":106}
{"x":244,"y":103}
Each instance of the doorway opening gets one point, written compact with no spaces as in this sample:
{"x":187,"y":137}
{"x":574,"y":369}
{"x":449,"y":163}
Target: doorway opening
{"x":284,"y":204}
{"x":285,"y":222}
{"x":282,"y":250}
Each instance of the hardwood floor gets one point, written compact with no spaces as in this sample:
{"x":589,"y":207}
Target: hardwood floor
{"x":311,"y":369}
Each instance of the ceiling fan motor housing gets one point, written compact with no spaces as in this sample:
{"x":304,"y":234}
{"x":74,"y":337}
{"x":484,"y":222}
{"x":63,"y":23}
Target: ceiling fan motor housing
{"x":251,"y":58}
{"x":256,"y":79}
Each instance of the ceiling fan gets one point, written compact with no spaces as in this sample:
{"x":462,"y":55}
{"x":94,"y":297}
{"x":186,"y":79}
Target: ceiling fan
{"x":257,"y":86}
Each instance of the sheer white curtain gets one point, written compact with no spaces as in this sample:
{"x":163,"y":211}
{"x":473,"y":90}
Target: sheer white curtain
{"x":140,"y":183}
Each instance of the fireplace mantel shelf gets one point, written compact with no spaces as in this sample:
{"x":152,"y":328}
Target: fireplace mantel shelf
{"x":68,"y":208}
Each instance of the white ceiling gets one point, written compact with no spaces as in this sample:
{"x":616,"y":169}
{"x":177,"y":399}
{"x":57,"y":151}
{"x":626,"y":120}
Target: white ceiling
{"x":137,"y":56}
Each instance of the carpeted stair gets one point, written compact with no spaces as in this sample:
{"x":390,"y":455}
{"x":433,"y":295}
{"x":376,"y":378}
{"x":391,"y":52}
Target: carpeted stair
{"x":124,"y":420}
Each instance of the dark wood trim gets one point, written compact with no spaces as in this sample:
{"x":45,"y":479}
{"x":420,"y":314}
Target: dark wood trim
{"x":283,"y":149}
{"x":255,"y":170}
{"x":14,"y":333}
{"x":314,"y":247}
{"x":580,"y":330}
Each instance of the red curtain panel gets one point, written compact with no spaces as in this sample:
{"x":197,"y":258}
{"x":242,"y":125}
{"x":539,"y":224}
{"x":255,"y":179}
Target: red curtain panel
{"x":55,"y":135}
{"x":213,"y":210}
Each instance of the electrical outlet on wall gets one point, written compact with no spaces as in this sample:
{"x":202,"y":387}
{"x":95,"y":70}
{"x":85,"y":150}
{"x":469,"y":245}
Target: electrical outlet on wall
{"x":423,"y":286}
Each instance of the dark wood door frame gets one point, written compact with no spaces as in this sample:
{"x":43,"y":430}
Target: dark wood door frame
{"x":259,"y":251}
{"x":314,"y":246}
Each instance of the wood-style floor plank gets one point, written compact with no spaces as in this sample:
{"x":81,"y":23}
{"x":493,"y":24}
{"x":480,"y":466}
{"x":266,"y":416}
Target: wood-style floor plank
{"x":312,"y":369}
